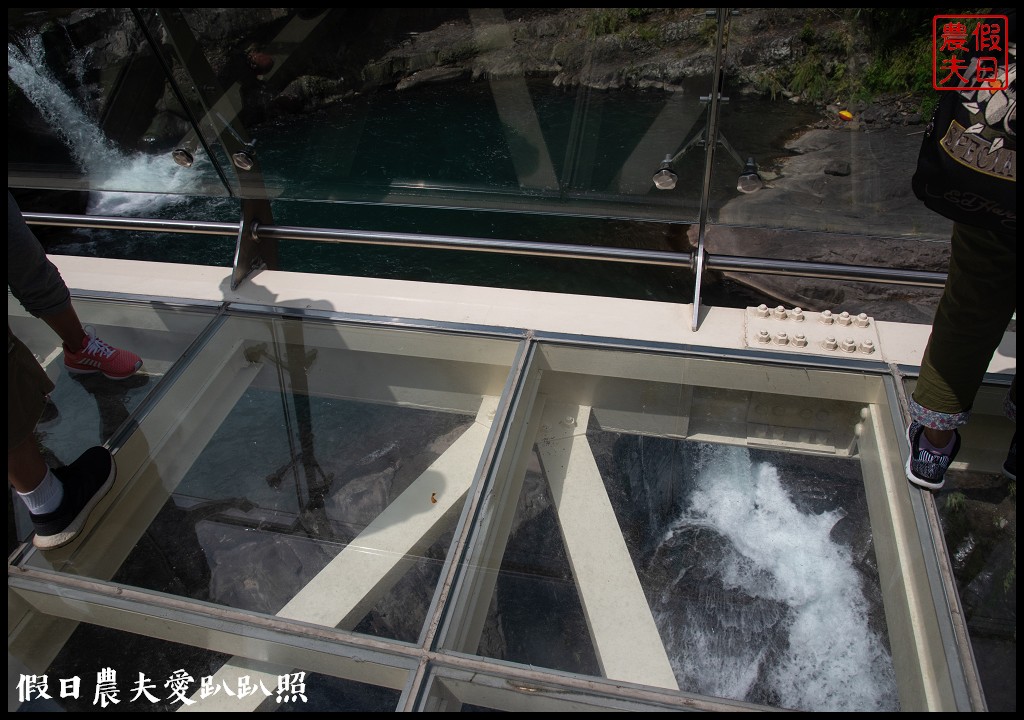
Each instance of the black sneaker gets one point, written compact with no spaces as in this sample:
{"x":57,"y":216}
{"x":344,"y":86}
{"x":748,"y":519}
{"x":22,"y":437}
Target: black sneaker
{"x":1010,"y":463}
{"x":925,"y":468}
{"x":85,"y":482}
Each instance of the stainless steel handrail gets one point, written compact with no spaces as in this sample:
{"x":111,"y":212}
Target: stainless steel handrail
{"x":721,"y":263}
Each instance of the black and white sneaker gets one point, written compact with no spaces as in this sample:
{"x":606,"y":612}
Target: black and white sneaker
{"x":925,"y":468}
{"x":85,"y":482}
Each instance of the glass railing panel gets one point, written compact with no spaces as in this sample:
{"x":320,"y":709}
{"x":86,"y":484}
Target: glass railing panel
{"x":292,"y":457}
{"x":503,"y":124}
{"x":146,"y":245}
{"x":86,"y":410}
{"x":830,"y":104}
{"x":503,"y":109}
{"x":402,"y":259}
{"x":94,"y":668}
{"x":891,"y":279}
{"x":701,"y":526}
{"x":879,"y":301}
{"x":566,"y":112}
{"x":90,"y":107}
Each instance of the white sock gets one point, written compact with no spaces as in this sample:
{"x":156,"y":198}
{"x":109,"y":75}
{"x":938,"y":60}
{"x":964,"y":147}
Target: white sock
{"x":46,"y":497}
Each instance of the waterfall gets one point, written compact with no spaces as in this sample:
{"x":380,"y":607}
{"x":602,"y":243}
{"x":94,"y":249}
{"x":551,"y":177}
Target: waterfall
{"x":775,"y":609}
{"x":125,"y":178}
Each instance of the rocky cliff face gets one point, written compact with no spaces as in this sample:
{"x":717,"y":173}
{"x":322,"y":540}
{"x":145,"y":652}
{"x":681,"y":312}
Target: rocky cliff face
{"x":282,"y":62}
{"x":346,"y":51}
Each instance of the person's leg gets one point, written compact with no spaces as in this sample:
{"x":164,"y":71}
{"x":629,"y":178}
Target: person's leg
{"x":26,"y":467}
{"x":35,"y":484}
{"x":84,"y":482}
{"x":27,"y":389}
{"x":37,"y":284}
{"x":67,"y":326}
{"x":59,"y":500}
{"x":975,"y":309}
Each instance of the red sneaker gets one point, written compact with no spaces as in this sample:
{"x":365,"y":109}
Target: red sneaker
{"x":96,"y":356}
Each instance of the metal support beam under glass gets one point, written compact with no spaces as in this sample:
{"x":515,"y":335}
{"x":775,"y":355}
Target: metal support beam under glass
{"x":407,"y":516}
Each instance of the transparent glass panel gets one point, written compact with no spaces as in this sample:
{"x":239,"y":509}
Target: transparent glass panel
{"x":87,"y":410}
{"x":519,"y":124}
{"x":103,"y":669}
{"x":897,"y":301}
{"x":696,"y":525}
{"x":293,"y":462}
{"x":301,"y":468}
{"x":846,"y":178}
{"x":789,"y":74}
{"x":566,"y":112}
{"x":95,"y":112}
{"x":979,"y":521}
{"x":978,"y":510}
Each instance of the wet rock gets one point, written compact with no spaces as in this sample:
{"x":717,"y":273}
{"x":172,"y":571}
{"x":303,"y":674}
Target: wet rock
{"x":840,"y":168}
{"x":433,"y":75}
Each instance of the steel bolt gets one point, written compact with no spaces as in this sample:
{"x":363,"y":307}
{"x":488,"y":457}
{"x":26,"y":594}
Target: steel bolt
{"x":826,"y":317}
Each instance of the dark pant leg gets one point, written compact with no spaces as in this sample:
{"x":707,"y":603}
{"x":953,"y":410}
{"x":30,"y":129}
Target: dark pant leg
{"x":975,"y":309}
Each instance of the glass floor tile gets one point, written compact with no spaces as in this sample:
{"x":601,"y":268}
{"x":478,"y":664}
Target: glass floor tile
{"x":543,"y":524}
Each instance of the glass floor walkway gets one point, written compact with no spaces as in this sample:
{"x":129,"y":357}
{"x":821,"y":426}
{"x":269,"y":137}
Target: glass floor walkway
{"x":317,"y":510}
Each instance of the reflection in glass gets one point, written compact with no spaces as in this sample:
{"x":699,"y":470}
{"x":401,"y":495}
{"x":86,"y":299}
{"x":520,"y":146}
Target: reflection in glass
{"x":273,"y":499}
{"x":98,"y":120}
{"x":268,"y":476}
{"x":452,"y":122}
{"x":304,"y":469}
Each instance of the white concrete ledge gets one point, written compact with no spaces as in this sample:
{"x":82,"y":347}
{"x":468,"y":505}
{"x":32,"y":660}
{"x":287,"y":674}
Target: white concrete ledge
{"x":639,"y":320}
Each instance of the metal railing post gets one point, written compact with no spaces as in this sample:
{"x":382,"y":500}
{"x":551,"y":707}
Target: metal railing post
{"x":709,"y":158}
